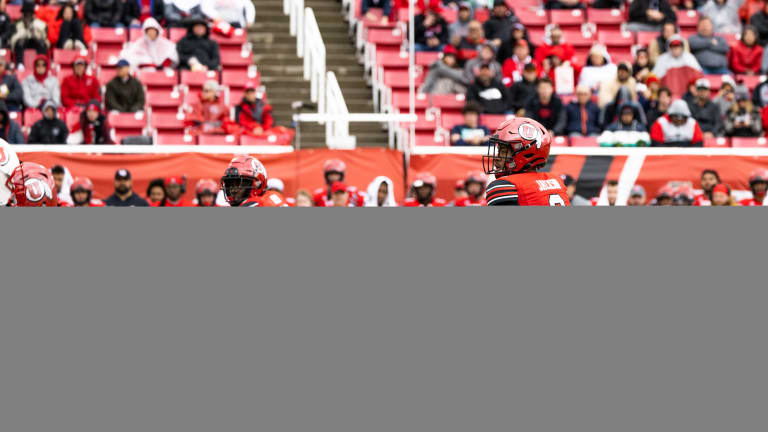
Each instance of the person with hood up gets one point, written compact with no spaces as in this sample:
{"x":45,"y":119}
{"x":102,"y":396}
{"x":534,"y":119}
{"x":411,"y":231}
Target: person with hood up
{"x":381,"y":193}
{"x":676,"y":68}
{"x":152,"y":50}
{"x":660,"y":45}
{"x":513,"y":67}
{"x":67,"y":31}
{"x":628,"y":120}
{"x":78,"y":88}
{"x":124,"y":92}
{"x":499,"y":26}
{"x":445,"y":76}
{"x":41,"y":85}
{"x":598,"y":69}
{"x":724,"y":15}
{"x":676,"y":128}
{"x":610,"y":113}
{"x":487,"y":56}
{"x":610,"y":87}
{"x":196,"y":50}
{"x":238,"y":13}
{"x":10,"y":88}
{"x":178,"y":12}
{"x":9,"y":129}
{"x":92,"y":128}
{"x":743,"y":119}
{"x":209,"y":115}
{"x":30,"y":33}
{"x":710,"y":51}
{"x":49,"y":129}
{"x":253,"y":114}
{"x":104,"y":13}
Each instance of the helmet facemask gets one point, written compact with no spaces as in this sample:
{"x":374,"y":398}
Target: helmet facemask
{"x":237,"y":188}
{"x":503,"y":157}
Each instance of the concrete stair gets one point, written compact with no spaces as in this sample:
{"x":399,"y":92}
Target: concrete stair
{"x":282,"y":71}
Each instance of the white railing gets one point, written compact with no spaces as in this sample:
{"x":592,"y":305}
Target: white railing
{"x":336,"y":131}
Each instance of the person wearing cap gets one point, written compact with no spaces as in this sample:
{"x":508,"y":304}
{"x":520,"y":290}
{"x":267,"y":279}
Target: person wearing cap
{"x":77,"y":89}
{"x":66,"y":30}
{"x":512,"y":69}
{"x":582,"y":116}
{"x":253,"y":114}
{"x":486,"y":56}
{"x":41,"y":85}
{"x":710,"y":50}
{"x":705,"y":112}
{"x":726,"y":96}
{"x":746,"y":56}
{"x":629,"y":119}
{"x":499,"y":26}
{"x":29,"y":33}
{"x":124,"y":92}
{"x":598,"y":69}
{"x":50,"y":129}
{"x":648,"y":15}
{"x":152,"y":50}
{"x":676,"y":128}
{"x":470,"y":132}
{"x":92,"y":127}
{"x":460,"y":28}
{"x":209,"y":114}
{"x":445,"y":76}
{"x":124,"y":195}
{"x":743,"y":119}
{"x":636,"y":196}
{"x":676,"y":68}
{"x":10,"y":88}
{"x":104,"y":13}
{"x":609,"y":89}
{"x":546,"y":108}
{"x":430,"y":31}
{"x":523,"y":90}
{"x":489,"y":92}
{"x":196,"y":50}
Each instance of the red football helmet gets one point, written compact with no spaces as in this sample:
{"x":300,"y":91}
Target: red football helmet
{"x":81,"y":184}
{"x":206,"y":185}
{"x":519,"y":145}
{"x":476,"y":177}
{"x":245,"y":177}
{"x":334,"y":166}
{"x":421,"y":180}
{"x":683,"y":195}
{"x":757,"y":176}
{"x":32,"y":186}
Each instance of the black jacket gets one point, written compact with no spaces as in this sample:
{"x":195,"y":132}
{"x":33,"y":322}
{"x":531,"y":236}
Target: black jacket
{"x":760,"y":21}
{"x":639,"y":8}
{"x":9,"y":129}
{"x":6,"y":30}
{"x":15,"y":99}
{"x":494,"y":98}
{"x":203,"y":48}
{"x":132,"y":201}
{"x":72,"y":29}
{"x":499,"y":28}
{"x":551,"y":116}
{"x":105,"y":12}
{"x":132,"y":11}
{"x":422,"y":33}
{"x":53,"y":131}
{"x":520,"y":92}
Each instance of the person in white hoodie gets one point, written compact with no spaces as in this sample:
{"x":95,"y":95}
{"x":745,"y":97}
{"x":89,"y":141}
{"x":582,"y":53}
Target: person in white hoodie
{"x":153,"y":49}
{"x":239,"y":13}
{"x":380,"y":193}
{"x":598,"y":68}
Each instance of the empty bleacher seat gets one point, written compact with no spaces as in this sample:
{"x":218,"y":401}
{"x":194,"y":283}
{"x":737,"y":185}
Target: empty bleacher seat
{"x":236,"y":59}
{"x":127,"y":124}
{"x":738,"y":142}
{"x":687,"y":19}
{"x":532,"y":18}
{"x":164,"y":80}
{"x":218,"y":140}
{"x":175,"y":34}
{"x":174,"y":139}
{"x":583,"y":141}
{"x":166,"y":123}
{"x":270,"y":139}
{"x":164,"y":101}
{"x":567,"y":18}
{"x":618,"y":39}
{"x":721,"y":142}
{"x":605,"y":19}
{"x":195,"y":80}
{"x":448,"y":103}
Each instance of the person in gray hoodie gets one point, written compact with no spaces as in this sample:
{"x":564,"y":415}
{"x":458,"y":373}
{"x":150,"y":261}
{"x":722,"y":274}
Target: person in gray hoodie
{"x":41,"y":85}
{"x":459,"y":29}
{"x":9,"y":129}
{"x":445,"y":76}
{"x":710,"y":50}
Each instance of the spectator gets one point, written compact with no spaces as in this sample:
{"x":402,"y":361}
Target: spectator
{"x":489,"y":92}
{"x":636,"y":196}
{"x":608,"y":4}
{"x":726,"y":96}
{"x":304,"y":199}
{"x":49,"y":129}
{"x":238,"y":13}
{"x":10,"y":89}
{"x":92,"y":128}
{"x":124,"y":195}
{"x":546,"y":108}
{"x":758,"y":184}
{"x":9,"y":129}
{"x":41,"y":85}
{"x":487,"y":57}
{"x":381,"y":193}
{"x":430,"y":31}
{"x":760,"y":21}
{"x":459,"y":29}
{"x":648,"y":95}
{"x":724,"y":15}
{"x":512,"y":70}
{"x":209,"y":115}
{"x":79,"y":88}
{"x":253,"y":114}
{"x":508,"y":47}
{"x":760,"y":94}
{"x":598,"y":69}
{"x":690,"y":94}
{"x":648,"y":15}
{"x":554,"y":45}
{"x":643,"y":66}
{"x":610,"y":112}
{"x":196,"y":50}
{"x":582,"y":115}
{"x":31,"y":33}
{"x":471,"y":132}
{"x":445,"y":76}
{"x":6,"y":27}
{"x":563,"y":4}
{"x":705,"y":112}
{"x":104,"y":13}
{"x":721,"y":196}
{"x":177,"y":12}
{"x":62,"y":179}
{"x":66,"y":31}
{"x":676,"y":68}
{"x":124,"y":92}
{"x":660,"y":45}
{"x":523,"y":90}
{"x":152,"y":50}
{"x":746,"y":57}
{"x":385,"y":6}
{"x":710,"y":50}
{"x":174,"y":189}
{"x":609,"y":88}
{"x":155,"y":192}
{"x":499,"y":26}
{"x":206,"y":191}
{"x":743,"y":119}
{"x":628,"y":121}
{"x":662,"y":105}
{"x":708,"y":180}
{"x":676,"y":128}
{"x":468,"y":47}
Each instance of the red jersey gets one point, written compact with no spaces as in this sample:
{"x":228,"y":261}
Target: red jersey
{"x":750,"y":202}
{"x":527,"y":189}
{"x":702,"y":200}
{"x":168,"y":203}
{"x":322,"y":197}
{"x":470,"y":202}
{"x":413,"y":202}
{"x":269,"y":199}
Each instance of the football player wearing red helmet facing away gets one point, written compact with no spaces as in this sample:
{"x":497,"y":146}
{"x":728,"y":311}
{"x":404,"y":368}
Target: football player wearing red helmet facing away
{"x":516,"y":153}
{"x":424,"y":187}
{"x":81,"y":192}
{"x":31,"y":185}
{"x":244,"y":183}
{"x":474,"y":184}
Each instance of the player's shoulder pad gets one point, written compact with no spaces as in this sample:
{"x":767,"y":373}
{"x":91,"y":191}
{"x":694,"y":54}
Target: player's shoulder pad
{"x":501,"y":192}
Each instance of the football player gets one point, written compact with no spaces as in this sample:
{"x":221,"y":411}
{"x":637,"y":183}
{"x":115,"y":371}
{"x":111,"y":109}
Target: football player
{"x":245,"y":182}
{"x":81,"y":192}
{"x":31,"y":185}
{"x":205,"y":192}
{"x":474,"y":184}
{"x":335,"y":170}
{"x":424,"y":188}
{"x":516,"y":152}
{"x":758,"y":182}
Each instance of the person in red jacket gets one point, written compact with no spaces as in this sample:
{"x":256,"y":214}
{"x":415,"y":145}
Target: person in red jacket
{"x":81,"y":192}
{"x":174,"y":189}
{"x":677,"y":128}
{"x":253,"y":114}
{"x":554,"y":45}
{"x":758,"y":183}
{"x":424,"y":187}
{"x":209,"y":115}
{"x":334,"y":170}
{"x":79,"y":88}
{"x":746,"y":56}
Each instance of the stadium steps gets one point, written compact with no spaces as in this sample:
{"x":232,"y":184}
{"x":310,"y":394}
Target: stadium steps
{"x":281,"y":71}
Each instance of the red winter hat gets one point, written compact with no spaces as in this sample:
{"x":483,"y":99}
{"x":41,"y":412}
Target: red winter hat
{"x":721,"y":188}
{"x":173,"y":180}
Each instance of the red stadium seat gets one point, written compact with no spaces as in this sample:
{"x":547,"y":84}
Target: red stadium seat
{"x":532,"y":19}
{"x":482,"y":14}
{"x":738,"y":142}
{"x":164,"y":80}
{"x":195,"y":80}
{"x":715,"y":81}
{"x":385,"y":37}
{"x":5,"y":54}
{"x":449,"y":102}
{"x":423,"y":123}
{"x":400,"y":100}
{"x":236,"y":59}
{"x":687,"y":19}
{"x":492,"y":121}
{"x":174,"y":139}
{"x":392,"y":60}
{"x":619,"y":55}
{"x":135,"y":34}
{"x":13,"y":11}
{"x":107,"y":57}
{"x":448,"y":121}
{"x":270,"y":139}
{"x":106,"y":75}
{"x":165,"y":123}
{"x":645,"y":38}
{"x":67,"y":57}
{"x":399,"y":79}
{"x":450,"y":15}
{"x":560,"y":141}
{"x":238,"y":38}
{"x":164,"y":101}
{"x":109,"y":38}
{"x":605,"y":19}
{"x":426,"y":58}
{"x":616,"y":39}
{"x":581,"y":43}
{"x":175,"y":34}
{"x":721,"y":142}
{"x":239,"y":78}
{"x":583,"y":141}
{"x":751,"y":81}
{"x":218,"y":140}
{"x":567,"y":18}
{"x":127,"y":124}
{"x":31,"y":116}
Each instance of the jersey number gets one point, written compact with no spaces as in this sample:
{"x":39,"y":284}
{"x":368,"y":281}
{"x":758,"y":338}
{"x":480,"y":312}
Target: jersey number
{"x":556,"y":200}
